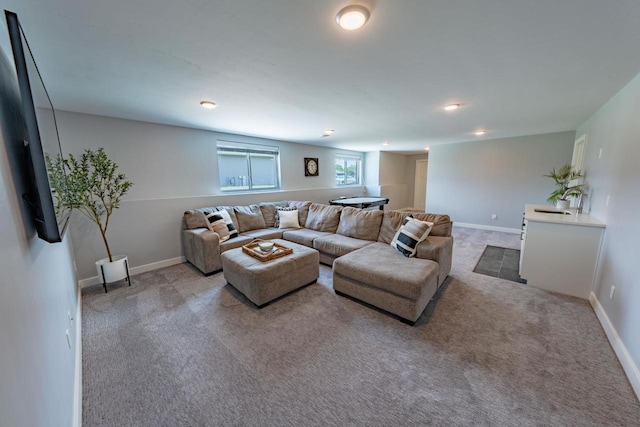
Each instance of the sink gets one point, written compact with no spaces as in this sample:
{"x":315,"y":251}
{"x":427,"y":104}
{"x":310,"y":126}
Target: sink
{"x":552,"y":211}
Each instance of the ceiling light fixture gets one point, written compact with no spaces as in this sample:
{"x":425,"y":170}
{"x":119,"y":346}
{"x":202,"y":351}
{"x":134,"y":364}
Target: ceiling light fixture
{"x":352,"y":17}
{"x":208,"y":104}
{"x":385,"y":143}
{"x":327,"y":133}
{"x":452,"y":107}
{"x":426,"y":148}
{"x":480,"y":132}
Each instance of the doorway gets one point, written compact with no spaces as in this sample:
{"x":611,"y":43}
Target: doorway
{"x":420,"y":187}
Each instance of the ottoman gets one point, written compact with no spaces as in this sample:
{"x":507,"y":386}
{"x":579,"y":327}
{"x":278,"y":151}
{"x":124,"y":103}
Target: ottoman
{"x":262,"y":282}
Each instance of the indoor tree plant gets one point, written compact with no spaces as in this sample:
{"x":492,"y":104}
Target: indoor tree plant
{"x":564,"y":178}
{"x":92,"y":185}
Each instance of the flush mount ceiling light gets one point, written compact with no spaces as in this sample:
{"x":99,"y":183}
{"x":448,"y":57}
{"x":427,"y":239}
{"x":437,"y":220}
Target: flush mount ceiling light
{"x":386,"y":143}
{"x":208,"y":104}
{"x":480,"y":132}
{"x":426,"y":148}
{"x":327,"y":133}
{"x":352,"y":17}
{"x":452,"y":107}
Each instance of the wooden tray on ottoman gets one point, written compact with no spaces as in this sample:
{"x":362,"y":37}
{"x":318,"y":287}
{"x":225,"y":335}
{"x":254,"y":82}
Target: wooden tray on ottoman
{"x":254,"y":250}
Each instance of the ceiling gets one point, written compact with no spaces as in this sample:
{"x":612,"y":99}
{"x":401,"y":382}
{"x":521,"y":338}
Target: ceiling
{"x":283,"y":69}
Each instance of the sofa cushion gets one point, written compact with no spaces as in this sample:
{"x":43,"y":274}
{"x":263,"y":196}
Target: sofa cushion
{"x":359,"y":223}
{"x":303,"y":236}
{"x":411,"y":233}
{"x":196,"y":218}
{"x":323,"y":217}
{"x":338,"y":245}
{"x":381,"y":266}
{"x":216,"y":223}
{"x":442,"y":224}
{"x":233,"y":231}
{"x":288,"y":219}
{"x":303,"y":210}
{"x":235,"y":243}
{"x":283,"y":208}
{"x":269,"y":212}
{"x":392,"y":220}
{"x":265,"y":233}
{"x":249,"y":218}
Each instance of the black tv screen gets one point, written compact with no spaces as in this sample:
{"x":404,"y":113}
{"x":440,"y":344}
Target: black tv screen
{"x":50,"y":216}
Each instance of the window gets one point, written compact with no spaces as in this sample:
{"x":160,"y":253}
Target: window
{"x":348,"y":170}
{"x":247,"y":167}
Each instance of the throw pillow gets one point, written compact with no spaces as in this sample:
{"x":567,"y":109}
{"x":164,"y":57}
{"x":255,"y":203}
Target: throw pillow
{"x":411,"y":233}
{"x":280,"y":209}
{"x":217,"y":224}
{"x":289,"y":219}
{"x":233,"y":232}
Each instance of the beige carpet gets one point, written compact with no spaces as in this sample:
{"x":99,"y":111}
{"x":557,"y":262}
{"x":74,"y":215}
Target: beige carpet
{"x":181,"y":349}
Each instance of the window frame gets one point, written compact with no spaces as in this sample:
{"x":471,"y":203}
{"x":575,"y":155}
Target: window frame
{"x":345,"y":159}
{"x":248,"y":149}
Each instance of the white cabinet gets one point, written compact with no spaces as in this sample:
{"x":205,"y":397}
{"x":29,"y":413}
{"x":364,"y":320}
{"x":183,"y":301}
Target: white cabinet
{"x":560,"y":252}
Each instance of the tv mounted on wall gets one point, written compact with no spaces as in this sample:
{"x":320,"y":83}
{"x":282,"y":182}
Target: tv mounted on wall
{"x":50,"y":216}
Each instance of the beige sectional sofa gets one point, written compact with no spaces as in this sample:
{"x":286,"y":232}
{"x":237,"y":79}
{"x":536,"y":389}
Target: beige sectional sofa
{"x":354,"y":241}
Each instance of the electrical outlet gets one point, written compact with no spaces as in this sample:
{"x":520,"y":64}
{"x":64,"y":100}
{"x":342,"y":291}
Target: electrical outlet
{"x":494,"y":216}
{"x":612,"y":291}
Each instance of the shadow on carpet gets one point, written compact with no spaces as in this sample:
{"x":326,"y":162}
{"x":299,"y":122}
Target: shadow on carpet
{"x":500,"y":262}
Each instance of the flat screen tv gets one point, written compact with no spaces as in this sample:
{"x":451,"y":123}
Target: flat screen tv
{"x":50,"y":216}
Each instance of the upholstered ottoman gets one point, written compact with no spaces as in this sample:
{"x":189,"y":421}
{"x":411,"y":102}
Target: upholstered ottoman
{"x":381,"y":276}
{"x":262,"y":282}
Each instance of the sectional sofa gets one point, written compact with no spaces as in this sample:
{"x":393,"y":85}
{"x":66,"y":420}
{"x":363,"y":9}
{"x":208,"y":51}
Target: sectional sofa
{"x":354,"y":241}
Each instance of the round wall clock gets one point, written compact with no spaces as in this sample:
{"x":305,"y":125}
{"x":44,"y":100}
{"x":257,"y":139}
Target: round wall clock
{"x":310,"y":166}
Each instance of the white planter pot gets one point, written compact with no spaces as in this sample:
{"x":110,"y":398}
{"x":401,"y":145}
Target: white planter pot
{"x":113,"y":271}
{"x":563,"y":204}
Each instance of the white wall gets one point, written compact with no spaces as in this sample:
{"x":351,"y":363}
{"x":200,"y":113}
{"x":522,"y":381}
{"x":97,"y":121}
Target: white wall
{"x":37,"y":289}
{"x":175,"y":169}
{"x":615,"y":129}
{"x":471,"y":181}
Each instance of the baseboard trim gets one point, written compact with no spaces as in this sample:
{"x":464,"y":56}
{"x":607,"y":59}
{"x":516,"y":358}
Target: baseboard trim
{"x":487,"y":227}
{"x":77,"y":382}
{"x":137,"y":270}
{"x":619,"y":348}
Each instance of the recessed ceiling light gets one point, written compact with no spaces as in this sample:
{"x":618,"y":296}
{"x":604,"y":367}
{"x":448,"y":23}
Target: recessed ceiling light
{"x":386,"y":143}
{"x":327,"y":133}
{"x":452,"y":107}
{"x":208,"y":104}
{"x":426,"y":148}
{"x":480,"y":132}
{"x":352,"y":17}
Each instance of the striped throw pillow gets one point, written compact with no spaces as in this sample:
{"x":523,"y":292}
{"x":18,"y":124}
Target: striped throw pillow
{"x":282,"y":208}
{"x":233,"y":231}
{"x":216,"y":223}
{"x":411,"y":233}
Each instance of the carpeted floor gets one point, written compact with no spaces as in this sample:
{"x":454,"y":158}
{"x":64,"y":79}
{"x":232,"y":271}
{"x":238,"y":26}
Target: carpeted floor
{"x":181,"y":349}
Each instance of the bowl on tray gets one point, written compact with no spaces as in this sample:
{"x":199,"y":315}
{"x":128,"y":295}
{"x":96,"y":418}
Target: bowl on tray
{"x":265,"y":246}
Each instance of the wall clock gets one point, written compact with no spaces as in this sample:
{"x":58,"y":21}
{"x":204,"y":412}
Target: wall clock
{"x":310,"y":166}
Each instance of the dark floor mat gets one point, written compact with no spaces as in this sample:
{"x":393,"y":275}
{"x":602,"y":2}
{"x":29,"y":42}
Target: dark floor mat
{"x":500,"y":262}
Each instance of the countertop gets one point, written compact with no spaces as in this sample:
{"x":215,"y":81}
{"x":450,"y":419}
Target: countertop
{"x":585,"y":220}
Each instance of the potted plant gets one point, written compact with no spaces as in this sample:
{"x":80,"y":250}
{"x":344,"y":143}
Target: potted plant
{"x":567,"y":188}
{"x":92,"y":185}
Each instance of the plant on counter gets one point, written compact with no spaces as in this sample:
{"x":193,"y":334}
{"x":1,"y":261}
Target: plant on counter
{"x":91,"y":185}
{"x":563,"y":178}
